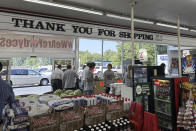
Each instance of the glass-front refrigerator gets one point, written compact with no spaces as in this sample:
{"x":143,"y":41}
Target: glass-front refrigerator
{"x":141,"y":87}
{"x":165,"y":92}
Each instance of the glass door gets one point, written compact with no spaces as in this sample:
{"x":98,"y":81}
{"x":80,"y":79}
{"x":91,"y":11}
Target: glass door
{"x":162,"y":100}
{"x":5,"y":73}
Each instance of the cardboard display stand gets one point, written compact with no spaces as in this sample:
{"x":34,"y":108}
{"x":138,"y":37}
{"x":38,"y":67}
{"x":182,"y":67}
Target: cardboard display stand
{"x":71,"y":119}
{"x":114,"y":110}
{"x":94,"y":114}
{"x":48,"y":122}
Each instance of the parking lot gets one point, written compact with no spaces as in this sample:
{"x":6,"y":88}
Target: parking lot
{"x":31,"y":90}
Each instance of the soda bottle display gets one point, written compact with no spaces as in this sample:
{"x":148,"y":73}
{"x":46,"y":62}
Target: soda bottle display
{"x":109,"y":128}
{"x":97,"y":128}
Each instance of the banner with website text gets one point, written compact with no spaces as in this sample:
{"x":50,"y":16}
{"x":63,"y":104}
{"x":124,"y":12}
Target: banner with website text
{"x":12,"y":43}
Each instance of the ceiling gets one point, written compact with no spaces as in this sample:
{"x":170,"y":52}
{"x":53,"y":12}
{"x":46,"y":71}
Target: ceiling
{"x":156,"y":10}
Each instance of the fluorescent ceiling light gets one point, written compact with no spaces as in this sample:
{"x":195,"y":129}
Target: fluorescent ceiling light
{"x":143,"y":21}
{"x":183,"y":28}
{"x":166,"y":25}
{"x":128,"y":18}
{"x":65,"y":6}
{"x":193,"y":30}
{"x":171,"y":26}
{"x":118,"y":17}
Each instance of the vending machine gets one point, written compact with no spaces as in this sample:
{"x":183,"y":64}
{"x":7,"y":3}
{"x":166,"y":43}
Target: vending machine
{"x":165,"y":92}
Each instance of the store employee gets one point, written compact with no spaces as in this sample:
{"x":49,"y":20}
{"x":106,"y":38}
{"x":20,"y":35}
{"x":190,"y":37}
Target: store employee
{"x":6,"y":94}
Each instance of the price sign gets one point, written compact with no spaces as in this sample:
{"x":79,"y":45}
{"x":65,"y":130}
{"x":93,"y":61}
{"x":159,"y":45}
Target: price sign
{"x":143,"y":55}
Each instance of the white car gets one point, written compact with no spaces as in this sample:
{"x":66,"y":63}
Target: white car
{"x":26,"y":77}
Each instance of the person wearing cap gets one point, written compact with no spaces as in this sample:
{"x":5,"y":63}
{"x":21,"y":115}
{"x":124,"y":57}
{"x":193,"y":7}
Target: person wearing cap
{"x":6,"y":94}
{"x":56,"y":78}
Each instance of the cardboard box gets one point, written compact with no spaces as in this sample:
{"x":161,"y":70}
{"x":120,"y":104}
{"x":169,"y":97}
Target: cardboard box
{"x":95,"y":114}
{"x":71,"y":120}
{"x":48,"y":122}
{"x":114,"y":110}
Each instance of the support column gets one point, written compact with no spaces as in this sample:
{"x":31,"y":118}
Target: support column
{"x":179,"y":50}
{"x":132,"y":34}
{"x":102,"y":54}
{"x":77,"y":53}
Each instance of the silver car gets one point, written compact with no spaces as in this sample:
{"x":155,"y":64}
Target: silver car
{"x":26,"y":77}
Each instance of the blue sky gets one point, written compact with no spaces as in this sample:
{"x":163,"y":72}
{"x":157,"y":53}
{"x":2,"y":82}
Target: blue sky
{"x":94,"y":46}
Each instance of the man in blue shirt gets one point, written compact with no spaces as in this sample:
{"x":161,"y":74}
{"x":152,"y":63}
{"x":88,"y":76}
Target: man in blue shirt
{"x":6,"y":94}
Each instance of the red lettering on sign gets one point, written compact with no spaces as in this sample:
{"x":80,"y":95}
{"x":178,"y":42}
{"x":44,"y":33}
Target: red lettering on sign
{"x":26,"y":43}
{"x":114,"y":106}
{"x":58,"y":44}
{"x":64,"y":44}
{"x":70,"y":44}
{"x":8,"y":43}
{"x":43,"y":121}
{"x":95,"y":110}
{"x":45,"y":44}
{"x":14,"y":43}
{"x":2,"y":42}
{"x":71,"y":115}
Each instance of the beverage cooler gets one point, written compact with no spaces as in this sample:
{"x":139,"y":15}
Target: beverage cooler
{"x":165,"y":93}
{"x":141,"y":77}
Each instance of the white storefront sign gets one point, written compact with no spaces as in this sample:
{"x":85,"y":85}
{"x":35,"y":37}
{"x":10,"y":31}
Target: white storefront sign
{"x":143,"y":56}
{"x":24,"y":23}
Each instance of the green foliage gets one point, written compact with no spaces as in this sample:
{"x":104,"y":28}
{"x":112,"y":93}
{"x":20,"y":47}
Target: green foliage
{"x":33,"y":62}
{"x":115,"y":56}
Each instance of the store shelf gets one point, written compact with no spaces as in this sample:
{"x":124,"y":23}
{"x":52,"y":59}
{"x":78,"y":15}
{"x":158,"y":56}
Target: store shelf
{"x":162,"y":100}
{"x":163,"y":113}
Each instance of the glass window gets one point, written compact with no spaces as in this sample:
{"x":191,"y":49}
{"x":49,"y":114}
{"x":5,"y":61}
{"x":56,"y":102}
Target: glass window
{"x":150,"y":53}
{"x":112,"y":53}
{"x":19,"y":72}
{"x":31,"y":72}
{"x":89,"y":50}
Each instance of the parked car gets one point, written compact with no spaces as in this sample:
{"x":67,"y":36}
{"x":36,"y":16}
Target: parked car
{"x":46,"y":72}
{"x":26,"y":77}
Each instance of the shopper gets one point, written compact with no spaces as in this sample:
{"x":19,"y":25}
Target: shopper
{"x":128,"y":79}
{"x":82,"y":79}
{"x":6,"y":94}
{"x":89,"y":81}
{"x":108,"y":77}
{"x":56,"y":78}
{"x":69,"y":78}
{"x":162,"y":66}
{"x":76,"y":80}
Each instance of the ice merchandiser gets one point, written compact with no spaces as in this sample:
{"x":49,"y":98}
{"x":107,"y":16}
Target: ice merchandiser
{"x":165,"y":92}
{"x":141,"y":78}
